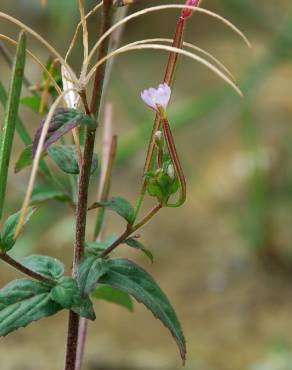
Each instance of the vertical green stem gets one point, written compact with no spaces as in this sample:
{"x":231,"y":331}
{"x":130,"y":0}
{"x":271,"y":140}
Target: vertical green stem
{"x":10,"y":117}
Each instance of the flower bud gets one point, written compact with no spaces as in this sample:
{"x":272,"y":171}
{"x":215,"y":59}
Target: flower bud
{"x":170,"y":171}
{"x":158,"y":136}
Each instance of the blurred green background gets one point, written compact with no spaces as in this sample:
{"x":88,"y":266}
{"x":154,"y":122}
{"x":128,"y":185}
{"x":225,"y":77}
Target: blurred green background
{"x":225,"y":257}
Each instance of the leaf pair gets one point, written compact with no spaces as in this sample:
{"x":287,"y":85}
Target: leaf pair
{"x":23,"y":301}
{"x":66,"y":291}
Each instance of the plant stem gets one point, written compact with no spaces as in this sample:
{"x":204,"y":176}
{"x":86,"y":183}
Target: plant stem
{"x":10,"y":118}
{"x":102,"y":51}
{"x":130,"y":230}
{"x":9,"y":60}
{"x":81,"y":209}
{"x":18,"y":266}
{"x":109,"y":143}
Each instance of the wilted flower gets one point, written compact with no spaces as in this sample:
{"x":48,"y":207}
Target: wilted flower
{"x":71,"y":98}
{"x":157,"y":98}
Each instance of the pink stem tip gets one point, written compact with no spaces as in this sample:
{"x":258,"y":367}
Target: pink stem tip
{"x":188,"y":12}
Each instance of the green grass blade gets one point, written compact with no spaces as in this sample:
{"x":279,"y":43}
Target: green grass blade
{"x":20,"y":128}
{"x":10,"y":116}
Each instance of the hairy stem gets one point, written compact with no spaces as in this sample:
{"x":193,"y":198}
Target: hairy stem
{"x":81,"y":209}
{"x":18,"y":266}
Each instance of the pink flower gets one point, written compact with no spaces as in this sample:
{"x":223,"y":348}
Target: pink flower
{"x":187,"y":12}
{"x":157,"y":98}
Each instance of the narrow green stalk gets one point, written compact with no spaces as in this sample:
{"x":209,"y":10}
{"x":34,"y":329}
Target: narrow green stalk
{"x":9,"y":60}
{"x":20,"y":128}
{"x":10,"y":117}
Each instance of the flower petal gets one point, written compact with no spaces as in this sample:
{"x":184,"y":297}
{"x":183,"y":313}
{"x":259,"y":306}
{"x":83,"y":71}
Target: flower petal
{"x":157,"y":97}
{"x":163,"y":95}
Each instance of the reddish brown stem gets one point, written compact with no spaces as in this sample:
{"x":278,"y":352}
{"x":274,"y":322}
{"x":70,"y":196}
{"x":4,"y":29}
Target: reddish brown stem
{"x":130,"y":230}
{"x":18,"y":266}
{"x":81,"y":209}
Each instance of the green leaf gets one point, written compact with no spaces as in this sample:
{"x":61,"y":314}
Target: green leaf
{"x":66,"y":292}
{"x":22,"y":302}
{"x":9,"y":227}
{"x":10,"y":116}
{"x":98,"y":247}
{"x":134,"y":243}
{"x":119,"y":205}
{"x":33,"y":102}
{"x":47,"y":266}
{"x":161,"y":186}
{"x":89,"y":271}
{"x":45,"y":193}
{"x":63,"y":121}
{"x":24,"y":160}
{"x":132,"y":279}
{"x":114,"y":295}
{"x":65,"y":157}
{"x":85,"y":308}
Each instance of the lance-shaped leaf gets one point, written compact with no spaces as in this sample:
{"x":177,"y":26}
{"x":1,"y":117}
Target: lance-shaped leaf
{"x":132,"y":279}
{"x":47,"y":266}
{"x":63,"y":121}
{"x":10,"y":116}
{"x":119,"y":205}
{"x":9,"y":227}
{"x":65,"y":157}
{"x":134,"y":243}
{"x":114,"y":295}
{"x":45,"y":193}
{"x":89,"y":271}
{"x":22,"y":302}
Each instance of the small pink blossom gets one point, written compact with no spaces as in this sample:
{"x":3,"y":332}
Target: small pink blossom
{"x":156,"y":98}
{"x":187,"y":12}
